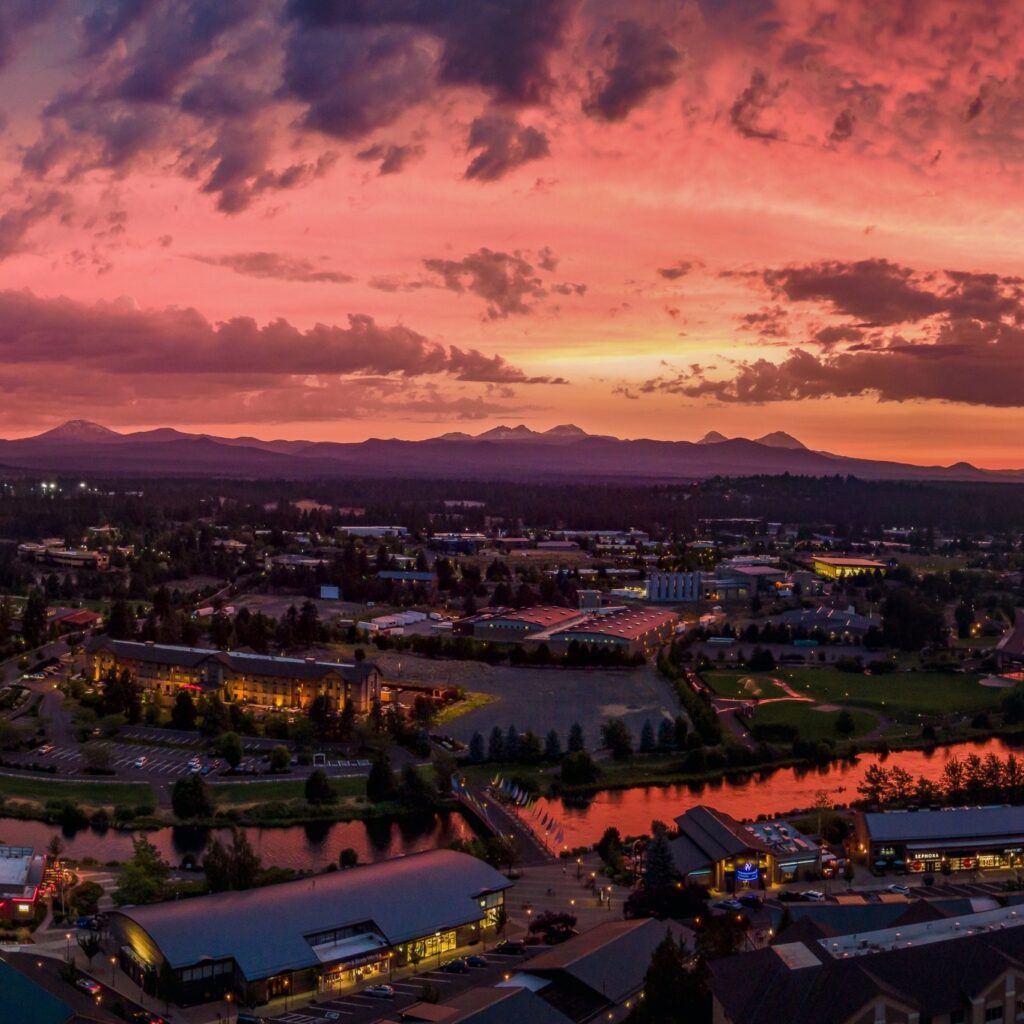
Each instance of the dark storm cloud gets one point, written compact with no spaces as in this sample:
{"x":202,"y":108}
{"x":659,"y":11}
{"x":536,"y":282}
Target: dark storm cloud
{"x":277,"y":266}
{"x":641,"y":62}
{"x":391,"y":158}
{"x":17,"y":18}
{"x":842,"y":127}
{"x":955,"y":336}
{"x":678,"y":269}
{"x":505,"y":281}
{"x":503,"y":47}
{"x":502,"y":144}
{"x":747,"y":112}
{"x":119,"y":340}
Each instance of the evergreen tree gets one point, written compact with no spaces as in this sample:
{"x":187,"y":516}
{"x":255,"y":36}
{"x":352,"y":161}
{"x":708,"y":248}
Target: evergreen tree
{"x":190,"y":798}
{"x":183,"y":712}
{"x":673,"y":990}
{"x":33,"y":618}
{"x":477,"y":749}
{"x":666,"y":734}
{"x":575,"y":742}
{"x":319,"y":790}
{"x":380,"y":783}
{"x":680,"y":728}
{"x":647,"y":737}
{"x":552,"y":746}
{"x":496,"y":745}
{"x":659,"y":868}
{"x":143,"y":877}
{"x":512,"y":744}
{"x":120,"y":621}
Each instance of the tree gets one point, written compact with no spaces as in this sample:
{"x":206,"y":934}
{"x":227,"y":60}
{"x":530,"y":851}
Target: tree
{"x":963,"y":615}
{"x":680,"y":728}
{"x":121,"y":621}
{"x":845,"y":724}
{"x":190,"y":798}
{"x":183,"y":712}
{"x":89,"y":943}
{"x":552,"y":746}
{"x":97,"y":757}
{"x":530,"y":750}
{"x":647,"y":737}
{"x":615,"y":736}
{"x":319,"y":790}
{"x":575,"y":742}
{"x":554,"y":926}
{"x":380,"y":783}
{"x":579,"y":769}
{"x":143,"y":877}
{"x":215,"y":715}
{"x":673,"y":990}
{"x":512,"y":744}
{"x":348,"y":858}
{"x":666,"y":734}
{"x":33,"y":618}
{"x":231,"y":868}
{"x":229,"y":746}
{"x":280,"y":758}
{"x":659,"y":867}
{"x":412,"y":788}
{"x":496,"y":745}
{"x":477,"y":749}
{"x":761,"y":660}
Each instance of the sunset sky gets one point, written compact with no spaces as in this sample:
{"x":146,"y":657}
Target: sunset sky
{"x":334,"y":219}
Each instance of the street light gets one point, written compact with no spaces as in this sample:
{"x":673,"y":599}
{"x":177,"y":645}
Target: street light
{"x":67,"y":939}
{"x":113,"y":961}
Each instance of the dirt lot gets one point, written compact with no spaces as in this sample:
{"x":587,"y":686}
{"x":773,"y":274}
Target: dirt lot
{"x":541,"y":699}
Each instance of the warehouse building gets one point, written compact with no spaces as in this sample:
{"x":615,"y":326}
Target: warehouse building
{"x":630,"y":630}
{"x":515,"y":626}
{"x":675,"y":587}
{"x":238,"y":676}
{"x":955,"y":839}
{"x":313,"y":935}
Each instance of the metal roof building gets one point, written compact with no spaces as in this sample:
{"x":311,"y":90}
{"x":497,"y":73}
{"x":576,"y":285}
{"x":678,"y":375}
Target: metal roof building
{"x":294,"y":935}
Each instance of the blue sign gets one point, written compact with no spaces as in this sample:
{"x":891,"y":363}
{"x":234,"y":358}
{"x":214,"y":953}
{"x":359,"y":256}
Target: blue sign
{"x":747,"y":873}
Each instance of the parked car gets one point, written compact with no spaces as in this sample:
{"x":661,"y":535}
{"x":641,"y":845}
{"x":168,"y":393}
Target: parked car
{"x":510,"y":947}
{"x":475,"y":961}
{"x":456,"y":966}
{"x":901,"y":890}
{"x":751,"y":901}
{"x":728,"y":905}
{"x":140,"y":762}
{"x":88,"y":985}
{"x":45,"y":748}
{"x":812,"y":896}
{"x":379,"y":992}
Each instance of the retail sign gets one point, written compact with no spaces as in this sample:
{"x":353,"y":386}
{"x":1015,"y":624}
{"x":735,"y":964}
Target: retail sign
{"x":747,"y":872}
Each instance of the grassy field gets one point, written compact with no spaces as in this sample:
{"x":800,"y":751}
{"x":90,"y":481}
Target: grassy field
{"x":92,"y":794}
{"x":901,"y":695}
{"x":812,"y":725}
{"x":462,"y":707}
{"x":237,"y":794}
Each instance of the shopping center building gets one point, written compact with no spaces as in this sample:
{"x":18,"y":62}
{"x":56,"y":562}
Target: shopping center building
{"x":954,"y":839}
{"x":318,"y":934}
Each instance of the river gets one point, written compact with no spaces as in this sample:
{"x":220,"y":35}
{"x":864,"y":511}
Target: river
{"x":632,"y":810}
{"x":314,"y":846}
{"x":310,"y":847}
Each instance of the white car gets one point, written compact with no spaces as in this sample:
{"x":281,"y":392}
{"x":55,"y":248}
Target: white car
{"x":140,"y":762}
{"x":813,"y":895}
{"x":901,"y":890}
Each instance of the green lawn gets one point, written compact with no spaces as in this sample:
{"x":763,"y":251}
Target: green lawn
{"x":95,"y":794}
{"x":810,"y":724}
{"x":899,"y":694}
{"x":264,"y":791}
{"x":473,"y":701}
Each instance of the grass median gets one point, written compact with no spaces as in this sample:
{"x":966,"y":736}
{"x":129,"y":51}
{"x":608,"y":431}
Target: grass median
{"x":91,"y":794}
{"x":237,"y":794}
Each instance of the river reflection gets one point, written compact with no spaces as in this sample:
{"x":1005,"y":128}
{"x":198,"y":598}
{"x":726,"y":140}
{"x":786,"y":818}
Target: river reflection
{"x":310,"y":847}
{"x":632,"y":810}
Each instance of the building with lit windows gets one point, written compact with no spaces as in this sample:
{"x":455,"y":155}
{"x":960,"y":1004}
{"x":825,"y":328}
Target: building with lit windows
{"x":21,"y":878}
{"x":319,"y":934}
{"x":835,"y":568}
{"x":243,"y":677}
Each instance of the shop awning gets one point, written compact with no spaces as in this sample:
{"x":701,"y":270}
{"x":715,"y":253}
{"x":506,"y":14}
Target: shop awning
{"x":355,"y":947}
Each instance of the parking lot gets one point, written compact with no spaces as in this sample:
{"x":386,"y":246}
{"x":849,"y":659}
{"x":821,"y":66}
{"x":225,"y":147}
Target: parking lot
{"x":361,"y":1009}
{"x":150,"y":761}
